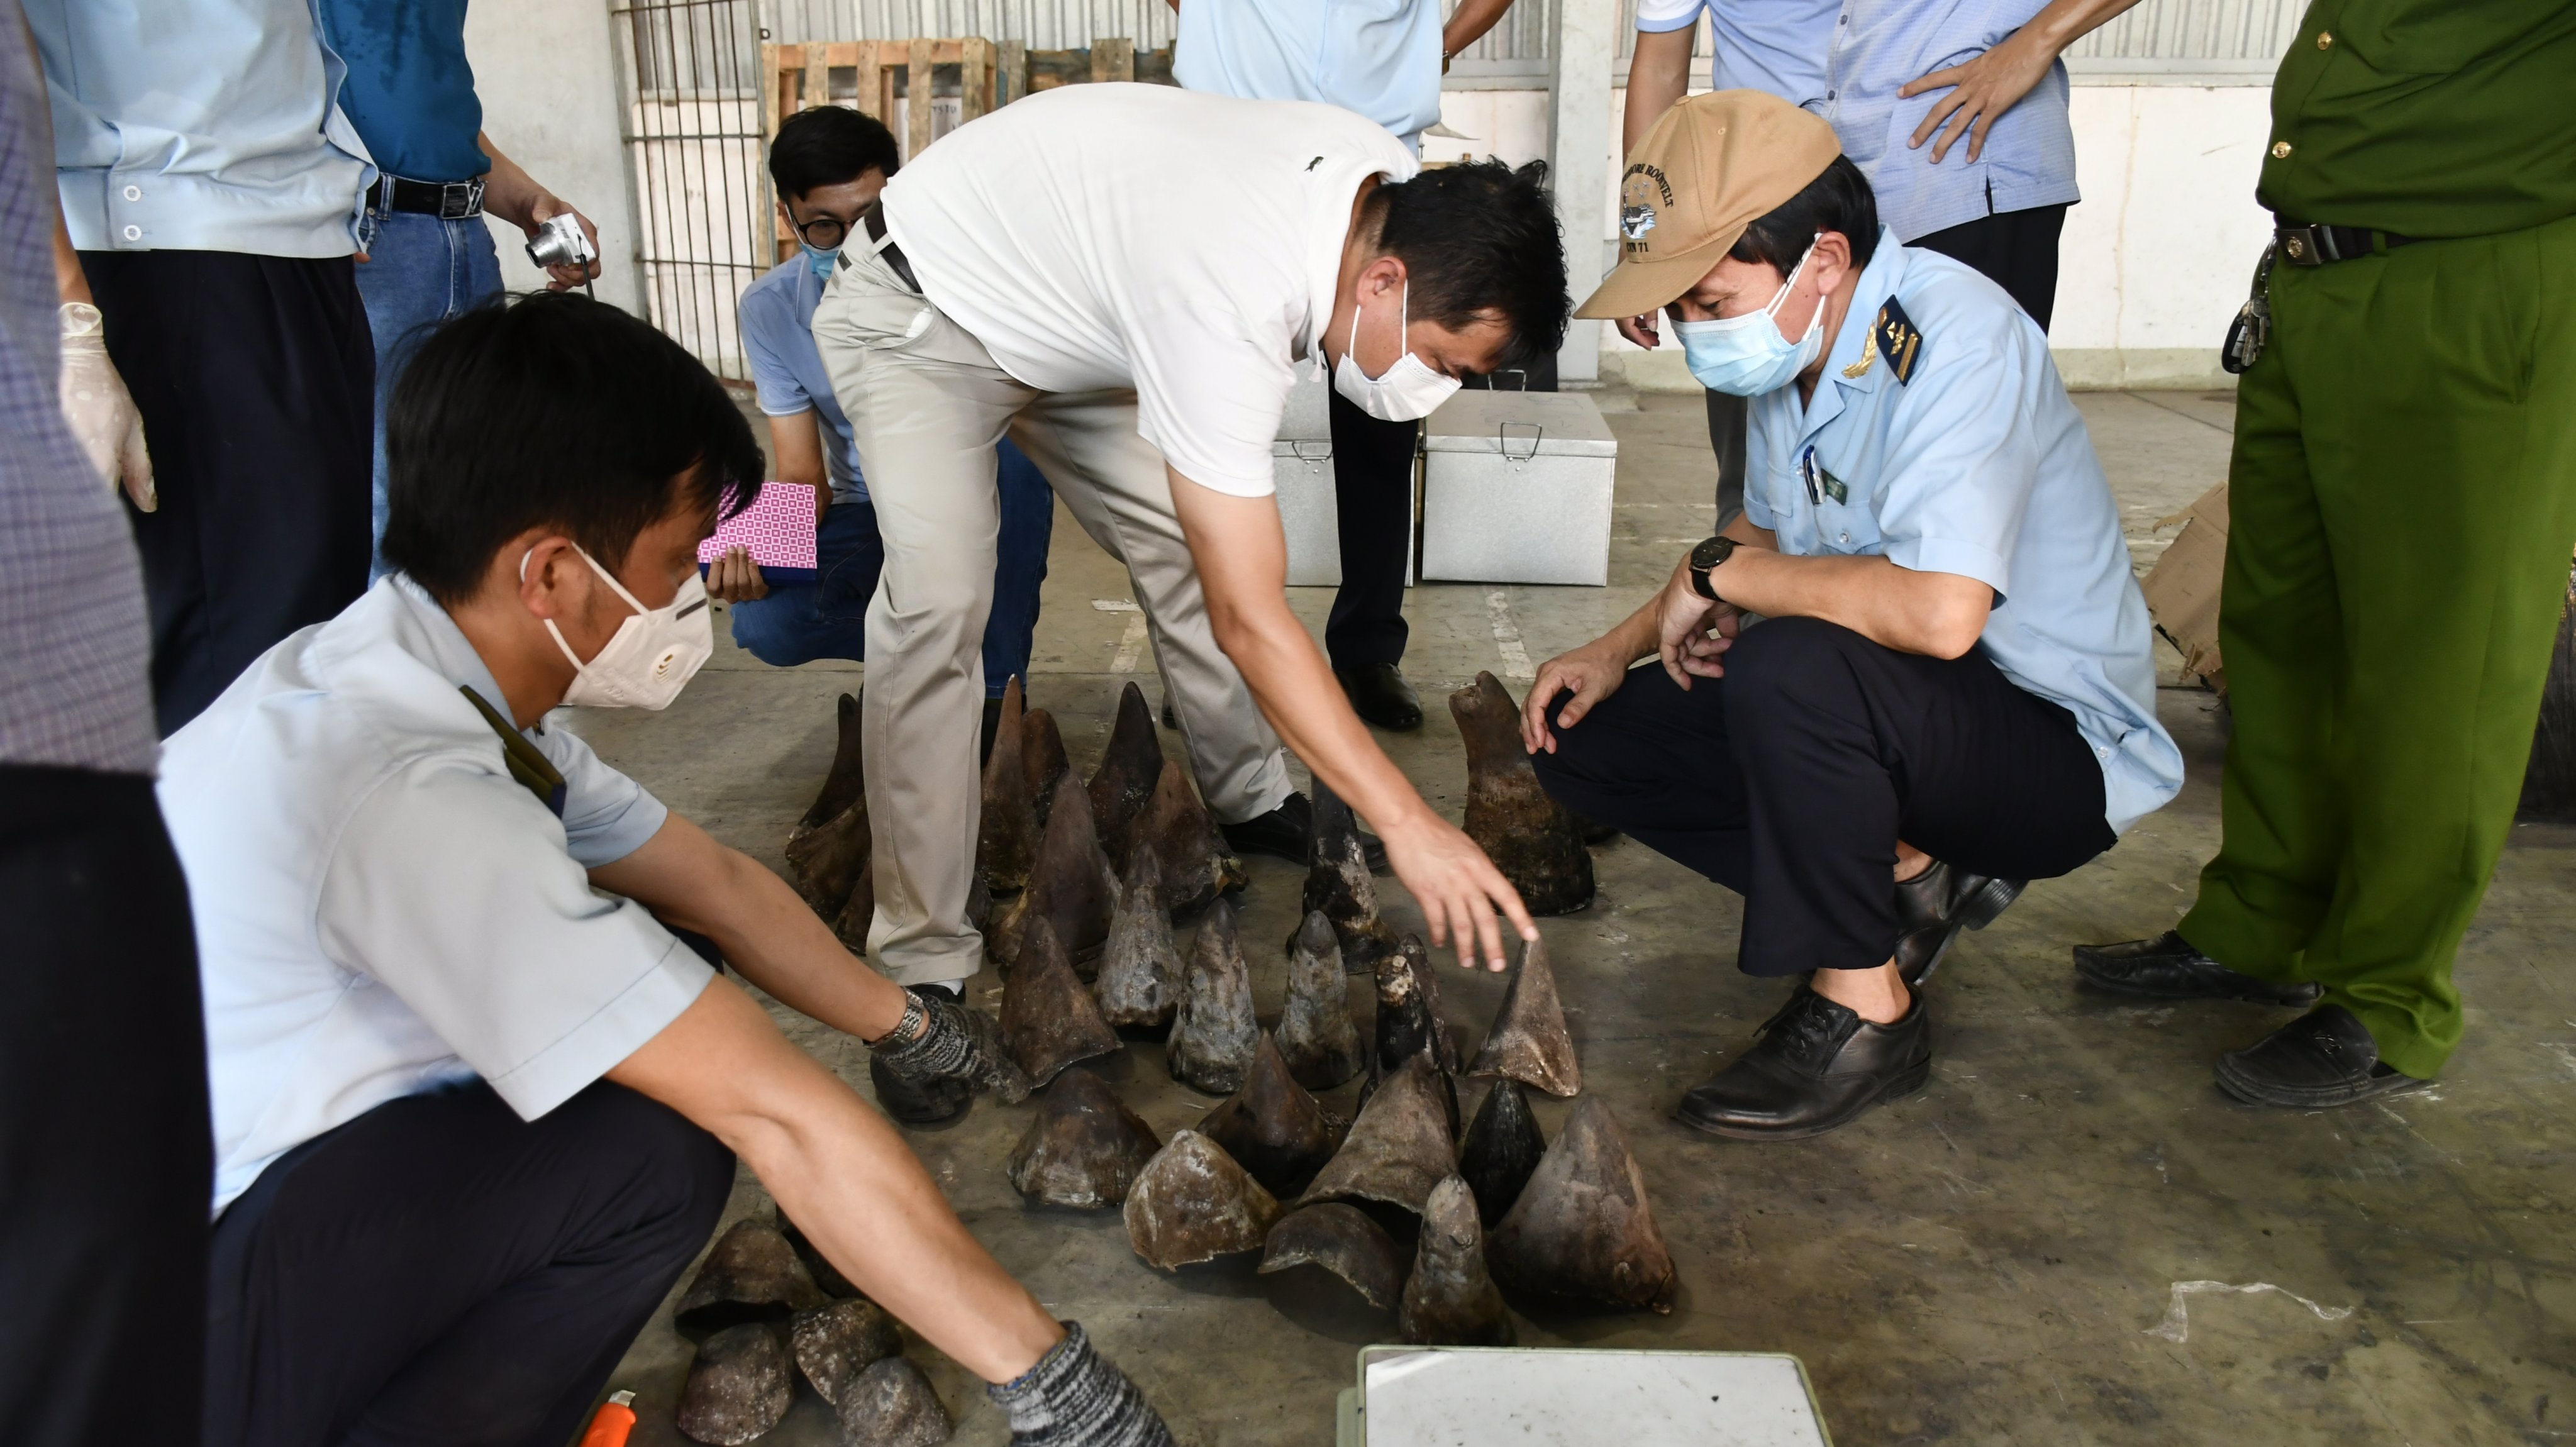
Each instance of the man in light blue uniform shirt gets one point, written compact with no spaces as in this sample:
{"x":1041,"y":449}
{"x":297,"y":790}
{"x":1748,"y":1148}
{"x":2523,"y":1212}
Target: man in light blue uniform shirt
{"x":1382,"y":59}
{"x":829,"y":163}
{"x":1951,"y":688}
{"x":211,"y":184}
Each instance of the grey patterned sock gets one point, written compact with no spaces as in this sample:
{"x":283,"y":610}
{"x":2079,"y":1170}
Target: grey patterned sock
{"x":1072,"y":1398}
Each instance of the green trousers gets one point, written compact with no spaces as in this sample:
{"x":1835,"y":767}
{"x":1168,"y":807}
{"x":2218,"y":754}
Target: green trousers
{"x":2402,"y":502}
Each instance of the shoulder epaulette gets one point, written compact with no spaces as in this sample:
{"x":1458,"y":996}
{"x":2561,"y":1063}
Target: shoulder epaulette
{"x":1898,"y":339}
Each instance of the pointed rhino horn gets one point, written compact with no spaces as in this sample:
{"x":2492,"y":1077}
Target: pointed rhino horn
{"x":1316,"y":1033}
{"x":1069,"y":883}
{"x":1140,"y":967}
{"x":1084,"y":1149}
{"x":1529,"y":1041}
{"x":739,"y":1386}
{"x":1272,"y":1127}
{"x":1006,"y":837}
{"x":848,"y":775}
{"x":1426,"y":976}
{"x":750,"y":1274}
{"x":824,"y":860}
{"x":1502,"y":1150}
{"x":1213,"y":1032}
{"x":1582,"y":1230}
{"x":1042,"y":757}
{"x":1450,"y":1300}
{"x":833,"y":1344}
{"x":1193,"y":1203}
{"x":1398,"y":1149}
{"x":1528,"y":836}
{"x":1049,"y":1020}
{"x":1175,"y":828}
{"x":1128,"y":769}
{"x":891,"y":1404}
{"x":1344,"y":1241}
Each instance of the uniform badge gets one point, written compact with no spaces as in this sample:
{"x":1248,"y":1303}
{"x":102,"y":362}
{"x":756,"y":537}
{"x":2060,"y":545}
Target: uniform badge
{"x":1833,"y":486}
{"x":1639,"y":192}
{"x":1895,"y":335}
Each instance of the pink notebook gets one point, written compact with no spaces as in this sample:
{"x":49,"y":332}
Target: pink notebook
{"x":778,"y":528}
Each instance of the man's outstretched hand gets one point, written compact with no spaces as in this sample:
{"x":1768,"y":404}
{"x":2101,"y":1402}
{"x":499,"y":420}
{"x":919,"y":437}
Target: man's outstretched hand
{"x":1590,"y":673}
{"x":1458,"y":888}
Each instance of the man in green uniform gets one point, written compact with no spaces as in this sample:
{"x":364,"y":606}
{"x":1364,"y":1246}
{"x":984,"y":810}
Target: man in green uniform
{"x":2402,"y":501}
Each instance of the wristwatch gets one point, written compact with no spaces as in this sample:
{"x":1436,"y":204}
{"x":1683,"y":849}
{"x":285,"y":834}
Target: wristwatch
{"x":1704,"y":559}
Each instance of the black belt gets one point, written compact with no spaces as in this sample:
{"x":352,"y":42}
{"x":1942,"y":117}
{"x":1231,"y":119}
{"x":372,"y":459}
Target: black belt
{"x":873,"y":221}
{"x":2303,"y":245}
{"x":446,"y":200}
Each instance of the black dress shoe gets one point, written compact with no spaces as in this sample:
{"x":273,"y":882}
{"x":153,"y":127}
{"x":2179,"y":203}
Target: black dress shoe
{"x":935,"y":1102}
{"x":1288,"y":832}
{"x":2168,"y":968}
{"x":1816,"y":1066}
{"x":1379,"y":694}
{"x":2324,"y":1058}
{"x":1935,"y":905}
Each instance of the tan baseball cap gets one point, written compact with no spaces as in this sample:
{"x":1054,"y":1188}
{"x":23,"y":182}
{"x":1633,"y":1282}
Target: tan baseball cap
{"x":1712,"y":166}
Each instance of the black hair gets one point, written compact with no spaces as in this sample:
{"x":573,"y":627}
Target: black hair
{"x":1478,"y":239}
{"x":1839,"y":200}
{"x":827,"y":146}
{"x":552,"y":410}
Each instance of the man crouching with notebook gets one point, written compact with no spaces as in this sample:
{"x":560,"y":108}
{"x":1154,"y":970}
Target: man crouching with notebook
{"x":475,"y":1105}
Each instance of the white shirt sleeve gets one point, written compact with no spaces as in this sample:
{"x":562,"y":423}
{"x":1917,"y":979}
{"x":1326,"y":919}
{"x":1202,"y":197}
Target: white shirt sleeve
{"x":1654,"y":16}
{"x":607,"y":815}
{"x":1209,"y":393}
{"x":452,"y":888}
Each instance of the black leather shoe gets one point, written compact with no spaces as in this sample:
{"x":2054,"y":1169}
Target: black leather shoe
{"x":1288,"y":832}
{"x":2168,"y":968}
{"x":1816,"y":1066}
{"x":2324,"y":1058}
{"x":1379,"y":694}
{"x":1935,"y":905}
{"x":935,"y":1103}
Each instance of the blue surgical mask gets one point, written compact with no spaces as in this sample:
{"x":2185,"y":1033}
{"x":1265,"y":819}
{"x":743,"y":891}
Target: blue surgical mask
{"x":820,"y":260}
{"x":1747,"y":356}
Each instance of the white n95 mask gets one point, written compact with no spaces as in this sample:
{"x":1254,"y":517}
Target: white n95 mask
{"x":1405,"y":392}
{"x":651,"y":655}
{"x":1747,"y":356}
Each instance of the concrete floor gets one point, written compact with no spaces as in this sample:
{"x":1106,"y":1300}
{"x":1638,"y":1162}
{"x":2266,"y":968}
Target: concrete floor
{"x":2000,"y":1258}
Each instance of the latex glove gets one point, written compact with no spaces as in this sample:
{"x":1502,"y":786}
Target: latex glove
{"x":100,"y":410}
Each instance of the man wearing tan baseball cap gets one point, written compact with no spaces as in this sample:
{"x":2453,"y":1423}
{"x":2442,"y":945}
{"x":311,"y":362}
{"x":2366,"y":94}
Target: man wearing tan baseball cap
{"x":1949,"y":687}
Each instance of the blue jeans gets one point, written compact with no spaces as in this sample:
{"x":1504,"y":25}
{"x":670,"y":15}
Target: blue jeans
{"x":827,"y":618}
{"x":419,"y":271}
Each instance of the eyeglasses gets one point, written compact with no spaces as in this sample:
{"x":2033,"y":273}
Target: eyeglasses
{"x":823,"y":232}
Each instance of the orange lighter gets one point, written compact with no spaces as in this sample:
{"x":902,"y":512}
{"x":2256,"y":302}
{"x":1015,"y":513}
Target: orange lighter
{"x":610,"y":1424}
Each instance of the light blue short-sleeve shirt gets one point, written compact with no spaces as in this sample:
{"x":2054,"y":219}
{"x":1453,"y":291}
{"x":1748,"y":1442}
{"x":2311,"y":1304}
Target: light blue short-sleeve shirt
{"x":778,"y":340}
{"x":1380,"y":58}
{"x":1978,"y":465}
{"x":381,"y":909}
{"x":1846,"y":60}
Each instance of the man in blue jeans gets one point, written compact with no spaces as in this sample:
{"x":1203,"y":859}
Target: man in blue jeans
{"x":829,"y":164}
{"x":426,"y":254}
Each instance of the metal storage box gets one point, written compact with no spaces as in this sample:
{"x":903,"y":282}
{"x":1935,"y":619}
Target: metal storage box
{"x":1516,"y":489}
{"x":1301,"y":467}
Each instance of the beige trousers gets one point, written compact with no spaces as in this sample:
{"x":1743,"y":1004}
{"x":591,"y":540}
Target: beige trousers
{"x":927,"y":407}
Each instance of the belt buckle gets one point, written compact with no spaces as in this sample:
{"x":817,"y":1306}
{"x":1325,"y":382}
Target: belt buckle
{"x":459,"y":200}
{"x":2305,"y":246}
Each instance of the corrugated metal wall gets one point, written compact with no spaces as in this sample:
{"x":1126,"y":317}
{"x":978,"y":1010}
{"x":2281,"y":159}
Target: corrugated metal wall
{"x":694,"y":137}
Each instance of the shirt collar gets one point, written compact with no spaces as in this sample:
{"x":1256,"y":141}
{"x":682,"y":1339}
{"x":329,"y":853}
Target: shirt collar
{"x":1335,"y":179}
{"x":449,"y":652}
{"x":1843,"y":370}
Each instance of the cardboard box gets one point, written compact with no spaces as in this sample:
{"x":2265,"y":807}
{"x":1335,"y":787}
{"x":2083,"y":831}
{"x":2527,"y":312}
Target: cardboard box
{"x":1516,"y":488}
{"x":2182,"y":588}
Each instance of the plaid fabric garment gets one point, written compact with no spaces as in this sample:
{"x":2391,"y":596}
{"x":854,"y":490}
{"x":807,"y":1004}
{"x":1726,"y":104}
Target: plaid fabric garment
{"x":73,"y":650}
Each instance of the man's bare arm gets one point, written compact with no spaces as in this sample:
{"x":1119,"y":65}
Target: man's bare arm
{"x":1469,"y":22}
{"x":843,"y":1176}
{"x":1994,"y":81}
{"x":689,"y":880}
{"x":1243,"y":568}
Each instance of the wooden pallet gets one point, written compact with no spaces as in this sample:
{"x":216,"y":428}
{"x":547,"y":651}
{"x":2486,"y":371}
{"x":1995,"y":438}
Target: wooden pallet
{"x":868,"y":76}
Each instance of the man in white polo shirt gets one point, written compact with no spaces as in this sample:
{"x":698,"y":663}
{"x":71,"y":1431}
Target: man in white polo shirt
{"x":1121,"y":277}
{"x":475,"y":1104}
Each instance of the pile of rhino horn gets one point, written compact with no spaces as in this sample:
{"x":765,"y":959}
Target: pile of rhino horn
{"x":760,"y":1320}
